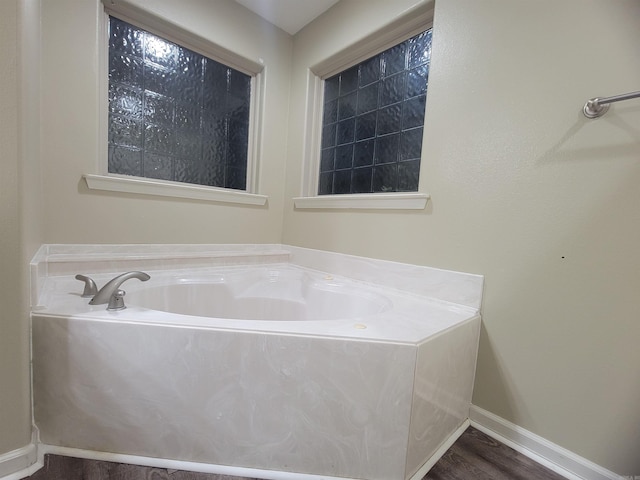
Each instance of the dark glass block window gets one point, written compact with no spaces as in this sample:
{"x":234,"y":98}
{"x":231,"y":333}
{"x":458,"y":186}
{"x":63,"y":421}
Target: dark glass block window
{"x":373,"y":116}
{"x":175,"y":114}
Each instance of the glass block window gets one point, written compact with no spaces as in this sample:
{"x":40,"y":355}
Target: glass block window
{"x":175,"y":114}
{"x":373,"y":116}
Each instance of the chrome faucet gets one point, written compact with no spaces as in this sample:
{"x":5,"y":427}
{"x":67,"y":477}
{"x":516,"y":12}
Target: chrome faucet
{"x":112,"y":289}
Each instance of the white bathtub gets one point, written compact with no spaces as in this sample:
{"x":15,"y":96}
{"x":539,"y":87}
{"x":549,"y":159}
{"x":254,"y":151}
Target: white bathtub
{"x":254,"y":366}
{"x":283,"y":293}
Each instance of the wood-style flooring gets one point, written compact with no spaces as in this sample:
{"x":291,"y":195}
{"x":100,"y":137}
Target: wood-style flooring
{"x":478,"y":456}
{"x":474,"y":456}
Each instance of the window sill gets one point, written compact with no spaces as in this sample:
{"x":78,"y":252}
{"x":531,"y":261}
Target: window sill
{"x":377,"y":201}
{"x":144,"y":186}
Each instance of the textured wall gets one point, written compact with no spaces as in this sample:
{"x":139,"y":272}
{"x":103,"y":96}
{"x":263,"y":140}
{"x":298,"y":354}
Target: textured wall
{"x":15,"y":412}
{"x":526,"y":191}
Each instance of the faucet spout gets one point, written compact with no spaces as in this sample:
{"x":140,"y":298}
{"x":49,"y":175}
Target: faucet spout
{"x":105,"y":293}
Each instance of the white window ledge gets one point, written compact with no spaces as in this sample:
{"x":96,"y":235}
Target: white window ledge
{"x":146,"y":186}
{"x":384,"y":201}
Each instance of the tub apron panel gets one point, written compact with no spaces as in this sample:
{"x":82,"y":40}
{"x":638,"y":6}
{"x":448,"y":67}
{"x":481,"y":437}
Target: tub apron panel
{"x":280,"y":402}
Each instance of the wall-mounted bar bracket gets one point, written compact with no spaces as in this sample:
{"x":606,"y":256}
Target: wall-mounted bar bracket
{"x":596,"y":107}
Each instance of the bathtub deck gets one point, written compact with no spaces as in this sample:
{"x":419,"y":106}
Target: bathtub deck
{"x":349,"y":395}
{"x":473,"y":456}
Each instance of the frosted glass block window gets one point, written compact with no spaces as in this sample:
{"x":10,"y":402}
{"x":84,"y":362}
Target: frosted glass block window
{"x":373,"y":117}
{"x":175,"y":114}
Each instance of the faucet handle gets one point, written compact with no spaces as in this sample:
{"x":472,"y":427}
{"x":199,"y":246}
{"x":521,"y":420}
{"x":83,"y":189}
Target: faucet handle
{"x":116,"y":302}
{"x":90,"y":288}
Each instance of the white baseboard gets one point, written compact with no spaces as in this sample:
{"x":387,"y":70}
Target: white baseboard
{"x":552,"y":456}
{"x":25,"y":461}
{"x":180,"y":464}
{"x":440,"y":452}
{"x":22,"y":462}
{"x":225,"y":469}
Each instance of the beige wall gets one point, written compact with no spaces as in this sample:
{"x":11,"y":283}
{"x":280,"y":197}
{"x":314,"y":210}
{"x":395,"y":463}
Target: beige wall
{"x":15,"y":412}
{"x":74,"y":214}
{"x":526,"y":191}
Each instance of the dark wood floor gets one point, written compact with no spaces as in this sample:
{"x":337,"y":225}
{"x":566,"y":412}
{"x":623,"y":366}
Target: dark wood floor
{"x":474,"y":456}
{"x":478,"y":456}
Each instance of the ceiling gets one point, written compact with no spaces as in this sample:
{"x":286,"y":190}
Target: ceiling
{"x":289,"y":15}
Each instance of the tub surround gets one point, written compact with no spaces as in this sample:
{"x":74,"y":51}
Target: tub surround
{"x":375,"y":396}
{"x":53,"y":260}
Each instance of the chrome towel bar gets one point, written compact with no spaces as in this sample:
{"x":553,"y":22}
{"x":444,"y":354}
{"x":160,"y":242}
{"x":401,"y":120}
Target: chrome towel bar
{"x":596,"y":107}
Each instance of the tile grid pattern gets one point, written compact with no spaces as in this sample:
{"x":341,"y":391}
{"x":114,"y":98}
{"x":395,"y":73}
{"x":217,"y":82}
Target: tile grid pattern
{"x":175,"y":114}
{"x":373,"y":117}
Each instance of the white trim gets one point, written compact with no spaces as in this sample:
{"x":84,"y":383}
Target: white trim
{"x":226,"y":469}
{"x":183,"y":465}
{"x":256,"y":126}
{"x":312,"y":135}
{"x":422,"y":471}
{"x":409,"y":23}
{"x":22,"y":462}
{"x":385,"y":201}
{"x":152,"y":22}
{"x":101,"y":162}
{"x":24,"y":473}
{"x":552,"y":456}
{"x":145,"y":186}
